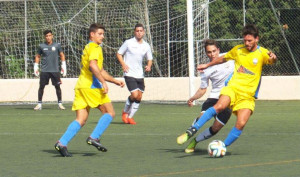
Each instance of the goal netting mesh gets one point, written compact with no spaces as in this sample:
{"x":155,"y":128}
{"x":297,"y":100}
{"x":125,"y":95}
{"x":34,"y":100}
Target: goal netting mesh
{"x":22,"y":24}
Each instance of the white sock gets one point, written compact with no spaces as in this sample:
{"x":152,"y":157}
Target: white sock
{"x":135,"y":106}
{"x":128,"y":105}
{"x":204,"y":135}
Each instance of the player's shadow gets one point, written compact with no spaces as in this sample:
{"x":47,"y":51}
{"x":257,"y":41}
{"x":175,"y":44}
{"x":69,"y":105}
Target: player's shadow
{"x":56,"y":154}
{"x":197,"y":152}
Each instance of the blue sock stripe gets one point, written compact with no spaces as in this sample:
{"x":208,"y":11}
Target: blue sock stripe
{"x":71,"y":131}
{"x":233,"y":135}
{"x":209,"y":113}
{"x":101,"y":126}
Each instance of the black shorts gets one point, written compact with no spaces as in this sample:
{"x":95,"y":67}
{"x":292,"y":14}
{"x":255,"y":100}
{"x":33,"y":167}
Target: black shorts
{"x":55,"y":78}
{"x":223,"y":116}
{"x":134,"y":84}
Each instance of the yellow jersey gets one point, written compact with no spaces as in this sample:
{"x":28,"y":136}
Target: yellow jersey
{"x":248,"y":68}
{"x":92,"y":51}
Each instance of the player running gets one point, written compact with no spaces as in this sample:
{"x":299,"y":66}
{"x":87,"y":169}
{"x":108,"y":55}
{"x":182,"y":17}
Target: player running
{"x":217,"y":74}
{"x":130,"y":56}
{"x":91,"y":92}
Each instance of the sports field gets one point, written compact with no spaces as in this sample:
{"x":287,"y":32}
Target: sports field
{"x":269,"y":145}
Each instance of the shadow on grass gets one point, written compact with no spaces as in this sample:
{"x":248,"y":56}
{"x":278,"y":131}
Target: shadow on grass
{"x":197,"y":152}
{"x":54,"y":152}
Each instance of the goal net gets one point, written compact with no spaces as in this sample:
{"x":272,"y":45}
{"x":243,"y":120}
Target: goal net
{"x":23,"y":22}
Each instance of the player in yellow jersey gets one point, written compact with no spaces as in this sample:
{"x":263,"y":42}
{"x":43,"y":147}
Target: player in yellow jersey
{"x":91,"y":92}
{"x":242,"y":88}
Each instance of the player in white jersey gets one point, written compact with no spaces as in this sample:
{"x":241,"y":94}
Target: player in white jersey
{"x":130,"y":56}
{"x":218,"y":75}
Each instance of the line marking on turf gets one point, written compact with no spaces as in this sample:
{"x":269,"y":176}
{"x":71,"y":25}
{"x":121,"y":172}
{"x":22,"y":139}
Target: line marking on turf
{"x":222,"y":168}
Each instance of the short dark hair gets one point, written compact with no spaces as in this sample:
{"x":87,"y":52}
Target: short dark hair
{"x":138,"y":25}
{"x":95,"y":26}
{"x":47,"y":31}
{"x":208,"y":42}
{"x":250,"y":29}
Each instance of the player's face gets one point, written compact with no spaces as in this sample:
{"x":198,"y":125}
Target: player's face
{"x":97,"y":36}
{"x":49,"y":38}
{"x":139,"y":33}
{"x":212,"y":52}
{"x":250,"y":42}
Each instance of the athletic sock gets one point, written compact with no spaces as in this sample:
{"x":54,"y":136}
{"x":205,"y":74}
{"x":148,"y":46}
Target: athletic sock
{"x":209,"y":113}
{"x":128,"y":105}
{"x":71,"y":131}
{"x":134,"y":108}
{"x":206,"y":134}
{"x":103,"y":123}
{"x":233,"y":135}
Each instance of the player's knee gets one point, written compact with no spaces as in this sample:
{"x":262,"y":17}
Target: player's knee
{"x":219,"y":107}
{"x":112,"y":114}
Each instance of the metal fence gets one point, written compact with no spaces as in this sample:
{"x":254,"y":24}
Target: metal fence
{"x":23,"y":21}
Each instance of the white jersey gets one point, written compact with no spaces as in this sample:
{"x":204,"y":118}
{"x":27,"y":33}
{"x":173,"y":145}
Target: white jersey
{"x":133,"y":55}
{"x":218,"y":75}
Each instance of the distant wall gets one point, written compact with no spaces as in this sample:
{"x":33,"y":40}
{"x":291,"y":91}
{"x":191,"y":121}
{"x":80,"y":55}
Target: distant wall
{"x":164,"y":89}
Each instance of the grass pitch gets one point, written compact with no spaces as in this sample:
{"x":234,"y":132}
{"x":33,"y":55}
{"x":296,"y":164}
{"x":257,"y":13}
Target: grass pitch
{"x":268,"y":146}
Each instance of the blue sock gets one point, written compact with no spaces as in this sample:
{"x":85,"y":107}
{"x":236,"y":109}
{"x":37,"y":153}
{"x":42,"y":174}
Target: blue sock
{"x":71,"y":131}
{"x":209,"y":113}
{"x":233,"y":135}
{"x":103,"y":123}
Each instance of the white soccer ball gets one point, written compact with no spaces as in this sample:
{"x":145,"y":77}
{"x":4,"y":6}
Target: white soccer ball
{"x":216,"y":148}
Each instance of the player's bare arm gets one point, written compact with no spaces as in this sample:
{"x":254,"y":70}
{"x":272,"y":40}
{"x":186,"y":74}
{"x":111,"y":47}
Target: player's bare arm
{"x":148,"y":66}
{"x":273,"y":57}
{"x":219,"y":60}
{"x":123,"y":64}
{"x":111,"y":79}
{"x":97,"y":73}
{"x":200,"y":92}
{"x":37,"y":58}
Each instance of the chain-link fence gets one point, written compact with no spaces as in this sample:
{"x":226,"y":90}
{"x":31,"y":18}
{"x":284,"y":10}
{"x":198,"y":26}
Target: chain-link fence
{"x":23,"y":21}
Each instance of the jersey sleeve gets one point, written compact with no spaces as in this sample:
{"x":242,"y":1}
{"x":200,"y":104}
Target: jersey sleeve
{"x":149,"y":53}
{"x":232,"y":54}
{"x":95,"y":53}
{"x":59,"y":49}
{"x":265,"y":56}
{"x":40,"y":50}
{"x":122,"y":50}
{"x":204,"y":81}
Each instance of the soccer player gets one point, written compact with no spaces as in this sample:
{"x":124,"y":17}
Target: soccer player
{"x":49,"y":52}
{"x":218,"y":75}
{"x":91,"y":92}
{"x":242,"y":88}
{"x":131,"y":55}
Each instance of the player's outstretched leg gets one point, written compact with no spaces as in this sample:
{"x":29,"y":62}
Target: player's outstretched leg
{"x":62,"y":150}
{"x":96,"y":143}
{"x":187,"y":135}
{"x":191,"y":147}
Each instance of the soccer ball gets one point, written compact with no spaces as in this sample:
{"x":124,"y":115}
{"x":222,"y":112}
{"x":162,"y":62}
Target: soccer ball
{"x":216,"y":148}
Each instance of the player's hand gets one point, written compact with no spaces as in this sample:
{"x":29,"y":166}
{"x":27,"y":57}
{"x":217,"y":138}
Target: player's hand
{"x":63,"y":68}
{"x":147,"y":68}
{"x":272,"y":56}
{"x":125,"y":68}
{"x":120,"y":83}
{"x":36,"y":69}
{"x":190,"y":102}
{"x":201,"y":67}
{"x":105,"y":88}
